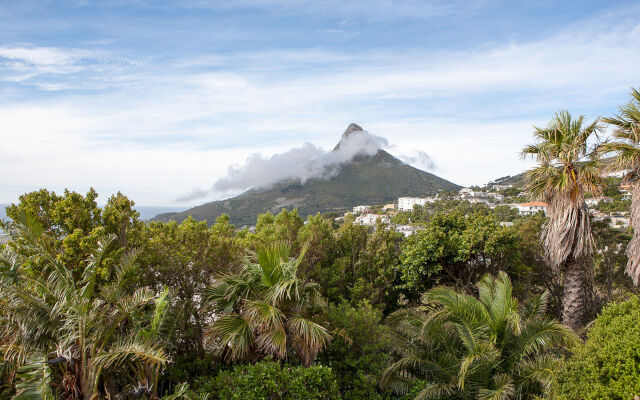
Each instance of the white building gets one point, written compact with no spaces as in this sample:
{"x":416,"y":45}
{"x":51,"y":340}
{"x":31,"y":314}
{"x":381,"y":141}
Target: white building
{"x":407,"y":203}
{"x":406,"y":230}
{"x":495,"y":196}
{"x":475,"y":200}
{"x":501,"y":187}
{"x":361,"y":209}
{"x":619,"y":221}
{"x":594,"y":201}
{"x":466,"y":192}
{"x":530,"y":208}
{"x":372,"y":219}
{"x":616,"y":174}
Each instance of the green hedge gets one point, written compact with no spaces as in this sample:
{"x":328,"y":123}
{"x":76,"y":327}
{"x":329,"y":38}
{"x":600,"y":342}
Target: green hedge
{"x":607,"y":366}
{"x":269,"y":380}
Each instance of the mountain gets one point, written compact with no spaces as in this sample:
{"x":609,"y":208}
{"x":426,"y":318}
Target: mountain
{"x":366,"y":179}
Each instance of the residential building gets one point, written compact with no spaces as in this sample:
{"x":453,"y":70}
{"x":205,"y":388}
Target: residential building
{"x":495,"y":196}
{"x":530,"y":208}
{"x":619,"y":221}
{"x":406,"y":230}
{"x":594,"y":201}
{"x":626,"y":191}
{"x":361,"y":209}
{"x":475,"y":199}
{"x":501,"y":187}
{"x":616,"y":174}
{"x":407,"y":203}
{"x":371,"y":219}
{"x":390,"y":206}
{"x":466,"y":192}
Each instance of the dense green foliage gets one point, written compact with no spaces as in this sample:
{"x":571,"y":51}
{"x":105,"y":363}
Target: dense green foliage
{"x":477,"y":348}
{"x":97,"y":304}
{"x":607,"y":365}
{"x":270,"y":380}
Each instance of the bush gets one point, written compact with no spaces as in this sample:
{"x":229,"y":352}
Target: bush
{"x":270,"y":380}
{"x":607,"y":366}
{"x":358,"y":362}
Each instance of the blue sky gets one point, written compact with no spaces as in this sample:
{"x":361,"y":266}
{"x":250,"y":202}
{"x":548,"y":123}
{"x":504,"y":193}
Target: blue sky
{"x":156,"y":99}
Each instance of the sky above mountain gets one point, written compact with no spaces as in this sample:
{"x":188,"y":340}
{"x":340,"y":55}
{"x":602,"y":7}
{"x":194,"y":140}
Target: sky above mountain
{"x":160,"y":98}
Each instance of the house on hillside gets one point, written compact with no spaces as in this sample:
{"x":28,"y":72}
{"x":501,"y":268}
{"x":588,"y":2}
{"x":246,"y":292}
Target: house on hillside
{"x":361,"y":209}
{"x":476,"y":200}
{"x":501,"y":187}
{"x":390,"y":206}
{"x":464,"y":192}
{"x":626,"y":191}
{"x":372,"y":219}
{"x":495,"y":196}
{"x":619,"y":220}
{"x":598,"y":215}
{"x":616,"y":174}
{"x":407,"y":203}
{"x":406,"y":230}
{"x":594,"y":201}
{"x":530,"y":208}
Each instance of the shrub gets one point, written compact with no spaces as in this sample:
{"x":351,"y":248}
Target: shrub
{"x":270,"y":380}
{"x":607,"y":365}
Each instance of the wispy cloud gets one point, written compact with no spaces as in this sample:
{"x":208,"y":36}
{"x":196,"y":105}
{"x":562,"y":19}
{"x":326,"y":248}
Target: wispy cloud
{"x":171,"y":122}
{"x":54,"y":68}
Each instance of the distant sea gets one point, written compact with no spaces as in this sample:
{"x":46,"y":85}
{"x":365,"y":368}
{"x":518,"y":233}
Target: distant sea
{"x":3,"y":214}
{"x":148,"y":212}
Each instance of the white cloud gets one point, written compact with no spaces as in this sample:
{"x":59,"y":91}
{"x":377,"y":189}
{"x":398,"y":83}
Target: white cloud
{"x":161,"y":131}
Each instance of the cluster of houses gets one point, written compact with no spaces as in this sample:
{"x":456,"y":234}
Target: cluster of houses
{"x":365,"y":216}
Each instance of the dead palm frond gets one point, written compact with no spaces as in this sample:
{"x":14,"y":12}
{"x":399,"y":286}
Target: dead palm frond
{"x":625,"y":148}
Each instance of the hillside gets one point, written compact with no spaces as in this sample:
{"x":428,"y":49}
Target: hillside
{"x":376,"y":179}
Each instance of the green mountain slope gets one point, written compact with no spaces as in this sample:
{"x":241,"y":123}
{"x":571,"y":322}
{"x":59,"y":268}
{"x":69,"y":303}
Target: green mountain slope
{"x":377,"y":179}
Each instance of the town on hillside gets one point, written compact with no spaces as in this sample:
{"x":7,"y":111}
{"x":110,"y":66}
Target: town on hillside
{"x":612,"y":206}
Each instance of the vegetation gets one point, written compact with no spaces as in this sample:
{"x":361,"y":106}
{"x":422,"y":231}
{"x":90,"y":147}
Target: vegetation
{"x":477,"y":348}
{"x":626,"y":147}
{"x":607,"y":365}
{"x":98,"y":304}
{"x":566,"y":170}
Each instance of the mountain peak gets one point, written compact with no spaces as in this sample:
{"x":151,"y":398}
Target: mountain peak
{"x":352,"y":128}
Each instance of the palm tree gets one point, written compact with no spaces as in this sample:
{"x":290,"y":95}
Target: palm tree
{"x":465,"y":347}
{"x":266,"y":309}
{"x":87,"y":338}
{"x":566,"y":170}
{"x":627,"y":157}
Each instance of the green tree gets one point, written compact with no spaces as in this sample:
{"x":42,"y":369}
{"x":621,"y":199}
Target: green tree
{"x":185,"y":258}
{"x":360,"y":355}
{"x":85,"y":338}
{"x":465,"y":347}
{"x":74,"y":223}
{"x":270,"y":380}
{"x":455,"y":248}
{"x":265,"y":309}
{"x":607,"y":365}
{"x":626,"y":147}
{"x":566,"y":170}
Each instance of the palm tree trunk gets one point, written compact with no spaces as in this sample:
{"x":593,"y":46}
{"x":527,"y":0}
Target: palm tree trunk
{"x":573,"y":297}
{"x":633,"y":249}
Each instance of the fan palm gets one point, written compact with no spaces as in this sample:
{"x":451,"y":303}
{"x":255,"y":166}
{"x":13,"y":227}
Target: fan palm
{"x":626,"y":148}
{"x":465,"y":347}
{"x":566,"y":169}
{"x":266,"y":309}
{"x":75,"y":334}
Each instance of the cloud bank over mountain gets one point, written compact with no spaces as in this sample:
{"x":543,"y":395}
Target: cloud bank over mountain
{"x":299,"y":163}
